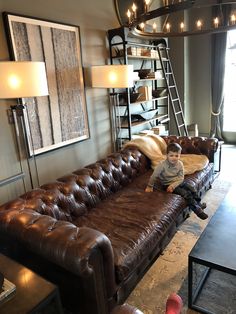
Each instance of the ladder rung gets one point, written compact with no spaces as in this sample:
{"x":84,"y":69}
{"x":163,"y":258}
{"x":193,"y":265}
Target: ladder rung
{"x":172,"y":91}
{"x":165,"y":120}
{"x":160,"y":106}
{"x":164,"y":48}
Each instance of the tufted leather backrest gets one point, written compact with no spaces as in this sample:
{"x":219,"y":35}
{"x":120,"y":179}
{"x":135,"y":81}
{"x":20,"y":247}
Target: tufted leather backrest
{"x":195,"y":145}
{"x":71,"y":196}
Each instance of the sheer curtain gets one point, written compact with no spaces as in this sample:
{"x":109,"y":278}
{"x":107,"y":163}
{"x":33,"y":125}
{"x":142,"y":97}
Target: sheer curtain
{"x":219,"y":42}
{"x":217,"y":83}
{"x":229,"y":125}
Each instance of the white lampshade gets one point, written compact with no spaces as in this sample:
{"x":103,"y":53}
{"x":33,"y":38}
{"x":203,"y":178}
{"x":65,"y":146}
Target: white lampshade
{"x":112,"y":76}
{"x":22,"y":79}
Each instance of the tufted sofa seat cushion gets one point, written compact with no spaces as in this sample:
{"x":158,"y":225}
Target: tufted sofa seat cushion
{"x":134,"y":221}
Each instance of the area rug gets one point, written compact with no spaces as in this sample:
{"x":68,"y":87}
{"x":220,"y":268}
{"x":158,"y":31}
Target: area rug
{"x":169,"y":273}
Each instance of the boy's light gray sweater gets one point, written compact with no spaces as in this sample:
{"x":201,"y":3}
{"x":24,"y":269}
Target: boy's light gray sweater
{"x":168,"y":174}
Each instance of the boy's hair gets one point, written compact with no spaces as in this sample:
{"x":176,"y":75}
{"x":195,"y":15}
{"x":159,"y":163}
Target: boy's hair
{"x":174,"y":147}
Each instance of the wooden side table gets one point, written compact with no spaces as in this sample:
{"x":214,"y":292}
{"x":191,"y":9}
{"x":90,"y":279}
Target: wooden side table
{"x":33,"y":293}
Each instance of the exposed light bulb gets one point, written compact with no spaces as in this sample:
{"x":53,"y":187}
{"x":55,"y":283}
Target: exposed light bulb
{"x":168,"y":27}
{"x":146,"y":5}
{"x":216,"y":22}
{"x":142,"y":25}
{"x":233,"y":19}
{"x":129,"y":15}
{"x":154,"y":27}
{"x":199,"y":24}
{"x":134,"y":9}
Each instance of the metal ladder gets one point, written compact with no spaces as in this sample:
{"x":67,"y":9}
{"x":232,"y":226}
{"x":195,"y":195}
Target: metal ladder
{"x":172,"y":90}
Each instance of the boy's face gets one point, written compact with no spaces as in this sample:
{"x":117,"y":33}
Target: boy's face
{"x":173,"y":157}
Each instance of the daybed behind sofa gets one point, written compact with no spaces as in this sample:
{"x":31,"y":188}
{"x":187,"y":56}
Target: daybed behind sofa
{"x":95,"y":232}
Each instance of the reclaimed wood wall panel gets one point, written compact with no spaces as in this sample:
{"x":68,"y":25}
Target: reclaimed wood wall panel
{"x":60,"y":118}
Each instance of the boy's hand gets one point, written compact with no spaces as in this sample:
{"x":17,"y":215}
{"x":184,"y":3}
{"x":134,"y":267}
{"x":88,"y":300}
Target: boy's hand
{"x":169,"y":189}
{"x":149,"y":189}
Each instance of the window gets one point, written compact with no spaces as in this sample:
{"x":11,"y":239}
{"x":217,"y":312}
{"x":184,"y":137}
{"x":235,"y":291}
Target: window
{"x":229,"y":124}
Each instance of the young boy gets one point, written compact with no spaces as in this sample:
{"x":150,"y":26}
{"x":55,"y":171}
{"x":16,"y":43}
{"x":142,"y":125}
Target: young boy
{"x":170,"y":176}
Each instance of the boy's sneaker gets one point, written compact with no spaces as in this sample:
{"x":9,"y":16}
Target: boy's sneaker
{"x":200,"y":213}
{"x":203,"y":205}
{"x":174,"y":304}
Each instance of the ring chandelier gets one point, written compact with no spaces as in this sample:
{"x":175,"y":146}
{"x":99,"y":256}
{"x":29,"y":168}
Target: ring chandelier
{"x":224,"y":18}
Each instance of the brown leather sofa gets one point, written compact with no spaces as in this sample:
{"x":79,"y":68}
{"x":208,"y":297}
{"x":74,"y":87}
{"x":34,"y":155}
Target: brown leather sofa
{"x":95,"y":232}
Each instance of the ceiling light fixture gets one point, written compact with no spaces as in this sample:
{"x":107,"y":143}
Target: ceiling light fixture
{"x":165,"y":19}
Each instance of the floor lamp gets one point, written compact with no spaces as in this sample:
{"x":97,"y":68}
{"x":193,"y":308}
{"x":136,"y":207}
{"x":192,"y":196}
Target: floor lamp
{"x":22,"y":79}
{"x":113,"y":77}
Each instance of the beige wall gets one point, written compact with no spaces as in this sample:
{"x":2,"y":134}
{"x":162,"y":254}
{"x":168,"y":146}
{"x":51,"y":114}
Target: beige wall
{"x":191,"y":58}
{"x":199,"y":82}
{"x":94,"y":18}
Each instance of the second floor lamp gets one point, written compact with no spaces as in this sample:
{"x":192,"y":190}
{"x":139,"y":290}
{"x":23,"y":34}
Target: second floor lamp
{"x":113,"y":77}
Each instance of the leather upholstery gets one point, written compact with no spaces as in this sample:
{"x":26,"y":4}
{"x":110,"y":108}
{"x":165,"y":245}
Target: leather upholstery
{"x":100,"y":225}
{"x":134,"y":221}
{"x":195,"y":145}
{"x":126,"y":309}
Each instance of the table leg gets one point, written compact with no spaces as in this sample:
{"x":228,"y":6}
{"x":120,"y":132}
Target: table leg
{"x":190,"y":282}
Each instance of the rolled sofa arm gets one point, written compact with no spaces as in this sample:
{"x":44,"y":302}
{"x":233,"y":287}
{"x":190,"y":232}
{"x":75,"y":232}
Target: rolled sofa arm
{"x":60,"y":242}
{"x":195,"y":145}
